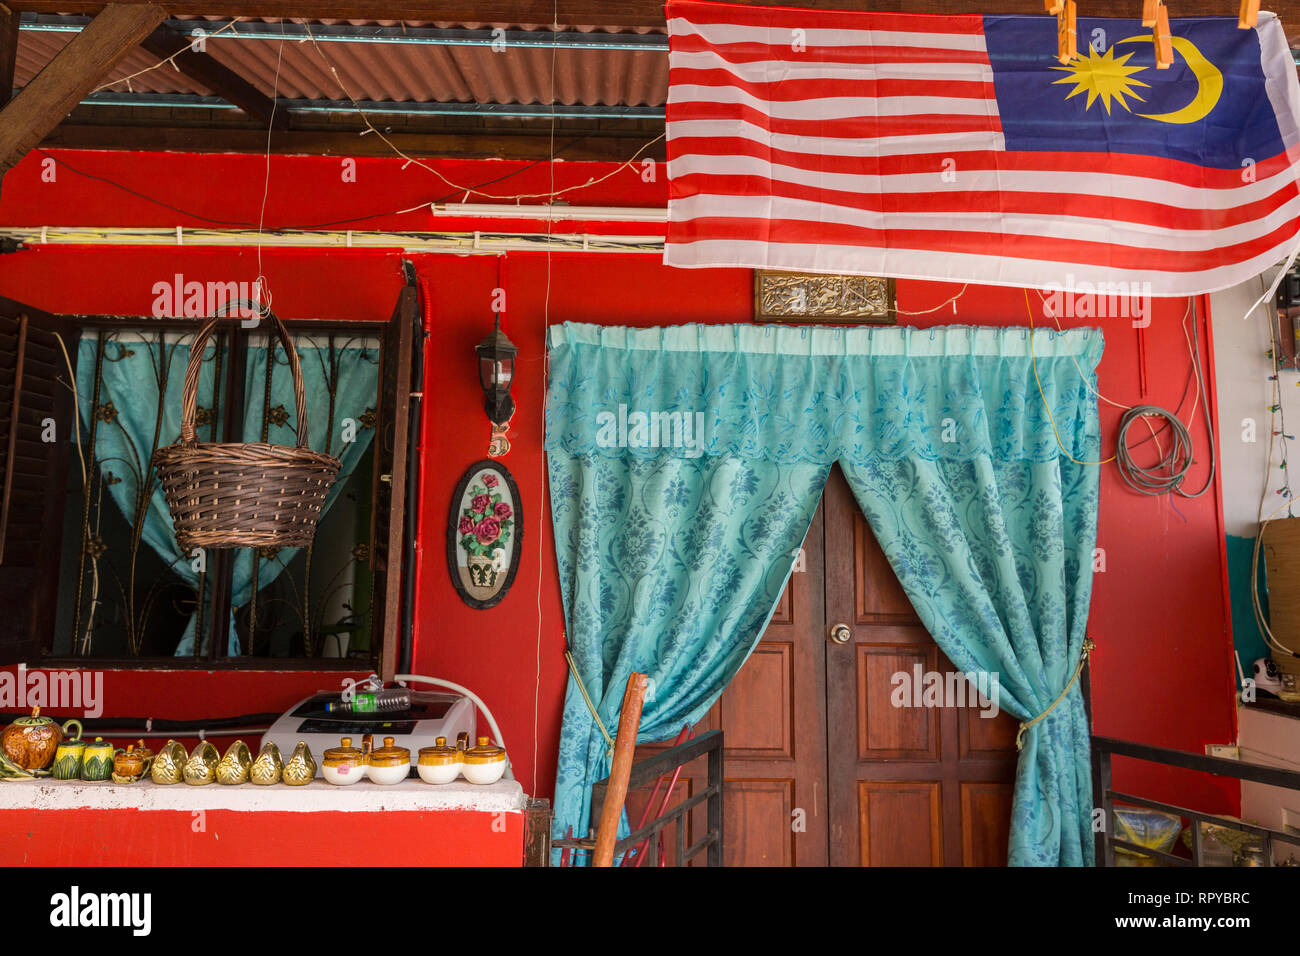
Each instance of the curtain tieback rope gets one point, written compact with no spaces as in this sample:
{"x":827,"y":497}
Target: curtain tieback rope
{"x":573,"y":669}
{"x":1078,"y":669}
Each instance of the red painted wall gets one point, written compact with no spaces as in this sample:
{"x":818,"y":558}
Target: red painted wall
{"x":1162,"y":673}
{"x":84,"y":837}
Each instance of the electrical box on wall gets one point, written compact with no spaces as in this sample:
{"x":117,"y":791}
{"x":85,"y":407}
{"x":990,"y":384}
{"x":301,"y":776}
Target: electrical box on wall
{"x":1288,"y":312}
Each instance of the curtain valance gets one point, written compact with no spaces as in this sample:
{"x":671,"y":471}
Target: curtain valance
{"x":819,"y":395}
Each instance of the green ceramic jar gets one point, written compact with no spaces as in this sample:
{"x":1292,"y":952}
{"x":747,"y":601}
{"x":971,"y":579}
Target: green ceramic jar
{"x":68,"y":760}
{"x":98,"y":763}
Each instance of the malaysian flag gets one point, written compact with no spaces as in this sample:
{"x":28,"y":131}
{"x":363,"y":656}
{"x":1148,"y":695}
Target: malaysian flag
{"x":960,"y":148}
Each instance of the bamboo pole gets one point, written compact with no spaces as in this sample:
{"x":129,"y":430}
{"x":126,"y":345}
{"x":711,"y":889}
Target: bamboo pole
{"x":629,"y":721}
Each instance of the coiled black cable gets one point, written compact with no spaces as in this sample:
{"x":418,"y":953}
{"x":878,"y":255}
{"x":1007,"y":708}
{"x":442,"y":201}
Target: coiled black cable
{"x":1168,"y":474}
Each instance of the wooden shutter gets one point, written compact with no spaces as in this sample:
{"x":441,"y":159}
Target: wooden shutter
{"x":35,"y":405}
{"x":388,"y":539}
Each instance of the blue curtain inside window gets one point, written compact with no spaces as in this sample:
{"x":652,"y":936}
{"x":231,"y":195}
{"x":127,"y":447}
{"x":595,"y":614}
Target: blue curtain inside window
{"x":141,"y":375}
{"x":686,"y":464}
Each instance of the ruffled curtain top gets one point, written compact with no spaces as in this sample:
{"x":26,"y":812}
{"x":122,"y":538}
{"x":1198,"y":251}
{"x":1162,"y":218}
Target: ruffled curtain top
{"x":791,"y":394}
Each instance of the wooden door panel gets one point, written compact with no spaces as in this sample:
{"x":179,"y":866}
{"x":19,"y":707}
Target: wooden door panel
{"x":899,"y":823}
{"x":985,"y":823}
{"x":757,"y":710}
{"x":878,"y":597}
{"x":982,"y":736}
{"x":886,"y":732}
{"x":784,"y":613}
{"x":762,"y":810}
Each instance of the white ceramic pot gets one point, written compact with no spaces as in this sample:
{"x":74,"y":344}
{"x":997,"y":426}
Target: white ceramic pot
{"x":344,"y":765}
{"x":443,"y":773}
{"x":484,"y":764}
{"x":484,"y":773}
{"x":387,"y":776}
{"x":344,"y":774}
{"x":389,"y":764}
{"x":440,"y":763}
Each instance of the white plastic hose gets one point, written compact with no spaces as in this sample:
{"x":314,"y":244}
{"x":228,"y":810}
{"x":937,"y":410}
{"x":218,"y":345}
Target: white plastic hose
{"x":438,"y":681}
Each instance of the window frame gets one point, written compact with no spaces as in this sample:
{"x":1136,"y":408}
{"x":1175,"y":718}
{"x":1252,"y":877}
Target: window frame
{"x":221,"y":560}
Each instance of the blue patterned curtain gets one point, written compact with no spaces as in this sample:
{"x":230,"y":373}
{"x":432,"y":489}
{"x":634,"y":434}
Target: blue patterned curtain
{"x":685,"y":466}
{"x":141,"y":376}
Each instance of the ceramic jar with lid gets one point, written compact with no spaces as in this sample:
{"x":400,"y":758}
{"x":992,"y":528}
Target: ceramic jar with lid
{"x":440,"y":763}
{"x":131,"y":764}
{"x":98,"y":761}
{"x":389,"y":764}
{"x":484,"y":764}
{"x":31,"y":742}
{"x":68,"y":759}
{"x":344,"y":764}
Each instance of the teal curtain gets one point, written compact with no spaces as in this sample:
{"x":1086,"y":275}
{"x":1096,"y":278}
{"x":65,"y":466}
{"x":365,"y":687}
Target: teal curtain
{"x":674,"y":544}
{"x":143,"y":372}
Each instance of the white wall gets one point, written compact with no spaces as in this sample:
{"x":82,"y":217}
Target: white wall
{"x":1244,"y":392}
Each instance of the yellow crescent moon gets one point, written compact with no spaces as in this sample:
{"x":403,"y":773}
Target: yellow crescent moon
{"x":1209,"y":83}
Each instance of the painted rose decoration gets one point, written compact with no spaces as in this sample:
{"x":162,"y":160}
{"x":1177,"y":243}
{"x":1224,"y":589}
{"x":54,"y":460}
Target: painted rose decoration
{"x":484,"y":534}
{"x":486,"y":524}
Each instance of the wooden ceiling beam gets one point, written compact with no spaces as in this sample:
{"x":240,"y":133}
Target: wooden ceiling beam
{"x":573,"y":147}
{"x":221,"y":81}
{"x":621,"y":13}
{"x":66,"y":80}
{"x":8,"y":52}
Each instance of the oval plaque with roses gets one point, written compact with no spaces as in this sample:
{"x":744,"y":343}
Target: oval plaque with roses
{"x":483,"y":534}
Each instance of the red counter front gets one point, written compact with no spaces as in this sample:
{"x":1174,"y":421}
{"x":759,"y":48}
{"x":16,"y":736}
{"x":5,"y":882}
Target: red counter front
{"x":71,"y":823}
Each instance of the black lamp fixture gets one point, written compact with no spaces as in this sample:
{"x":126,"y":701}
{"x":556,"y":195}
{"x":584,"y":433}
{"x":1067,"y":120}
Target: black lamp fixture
{"x":496,"y":371}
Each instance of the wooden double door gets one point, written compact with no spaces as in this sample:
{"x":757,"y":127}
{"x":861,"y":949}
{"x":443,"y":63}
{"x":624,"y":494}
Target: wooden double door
{"x":821,"y":768}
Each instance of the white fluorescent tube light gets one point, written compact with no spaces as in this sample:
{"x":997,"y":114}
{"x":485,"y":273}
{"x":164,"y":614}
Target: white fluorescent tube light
{"x":555,"y":213}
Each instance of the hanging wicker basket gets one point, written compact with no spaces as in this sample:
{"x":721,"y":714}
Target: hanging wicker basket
{"x":243,"y":494}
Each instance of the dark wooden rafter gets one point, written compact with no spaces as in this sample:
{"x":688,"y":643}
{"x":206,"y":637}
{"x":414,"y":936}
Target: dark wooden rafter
{"x":8,"y":52}
{"x":621,"y":13}
{"x":71,"y":75}
{"x":526,"y":145}
{"x":219,"y":80}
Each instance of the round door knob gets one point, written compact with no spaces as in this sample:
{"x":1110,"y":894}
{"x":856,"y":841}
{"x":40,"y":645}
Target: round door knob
{"x":841,"y":634}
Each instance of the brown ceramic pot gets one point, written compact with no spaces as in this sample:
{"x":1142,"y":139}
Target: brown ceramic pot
{"x":31,"y":742}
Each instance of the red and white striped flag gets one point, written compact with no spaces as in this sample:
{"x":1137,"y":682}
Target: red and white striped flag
{"x":959,"y":148}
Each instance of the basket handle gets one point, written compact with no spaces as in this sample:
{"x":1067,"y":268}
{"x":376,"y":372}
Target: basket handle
{"x":190,"y":392}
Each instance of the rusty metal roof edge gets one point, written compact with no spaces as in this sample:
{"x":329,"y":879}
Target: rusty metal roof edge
{"x":497,"y":36}
{"x":412,"y":108}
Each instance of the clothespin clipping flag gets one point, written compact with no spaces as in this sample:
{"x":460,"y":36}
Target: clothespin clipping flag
{"x":961,"y":148}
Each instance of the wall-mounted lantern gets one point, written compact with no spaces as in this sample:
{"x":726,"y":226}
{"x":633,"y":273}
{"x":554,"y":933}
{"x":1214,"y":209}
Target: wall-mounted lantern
{"x":496,"y":371}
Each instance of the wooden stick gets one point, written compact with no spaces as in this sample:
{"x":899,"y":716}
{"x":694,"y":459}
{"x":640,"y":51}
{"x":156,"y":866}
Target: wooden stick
{"x":1249,"y":15}
{"x":1149,"y":8}
{"x":1164,"y":44}
{"x":1053,"y":6}
{"x":629,"y":721}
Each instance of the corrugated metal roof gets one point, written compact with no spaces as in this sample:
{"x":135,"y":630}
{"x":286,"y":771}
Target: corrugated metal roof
{"x":397,"y":71}
{"x":37,"y":49}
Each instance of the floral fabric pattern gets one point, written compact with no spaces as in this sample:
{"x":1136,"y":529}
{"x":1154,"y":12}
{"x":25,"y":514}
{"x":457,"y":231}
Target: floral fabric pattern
{"x":672,"y":554}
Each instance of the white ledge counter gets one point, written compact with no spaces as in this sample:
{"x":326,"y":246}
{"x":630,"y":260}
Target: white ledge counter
{"x":504,"y":796}
{"x":48,"y":822}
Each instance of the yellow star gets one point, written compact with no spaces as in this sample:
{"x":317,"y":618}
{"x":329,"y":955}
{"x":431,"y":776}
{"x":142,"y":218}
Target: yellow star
{"x":1102,"y":76}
